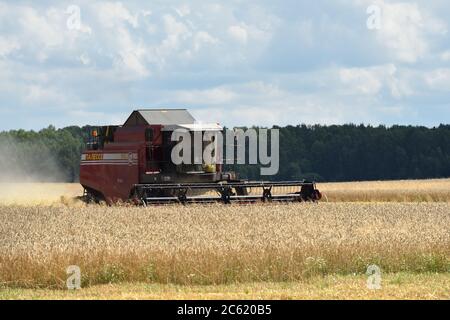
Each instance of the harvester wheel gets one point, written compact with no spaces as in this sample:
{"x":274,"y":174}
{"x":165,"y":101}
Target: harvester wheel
{"x":317,"y":195}
{"x":137,"y":197}
{"x":91,"y":196}
{"x":87,"y":197}
{"x":309,"y":192}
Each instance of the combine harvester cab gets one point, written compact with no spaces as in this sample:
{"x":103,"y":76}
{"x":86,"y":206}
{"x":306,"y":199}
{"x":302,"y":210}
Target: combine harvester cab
{"x":133,"y":163}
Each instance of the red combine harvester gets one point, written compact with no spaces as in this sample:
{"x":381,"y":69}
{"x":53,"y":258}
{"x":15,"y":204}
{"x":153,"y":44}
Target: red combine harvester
{"x":133,"y":162}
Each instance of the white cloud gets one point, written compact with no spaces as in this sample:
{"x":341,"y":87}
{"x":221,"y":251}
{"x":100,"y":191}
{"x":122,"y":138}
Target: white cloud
{"x":38,"y":95}
{"x":238,"y":33}
{"x":204,"y":38}
{"x":146,"y":13}
{"x":42,"y":28}
{"x":175,"y":28}
{"x":438,"y":79}
{"x":8,"y":45}
{"x":132,"y":54}
{"x":39,"y":34}
{"x":406,"y":28}
{"x":176,"y":32}
{"x":113,"y":14}
{"x":97,"y":117}
{"x":267,"y":89}
{"x":360,"y":80}
{"x":371,"y":80}
{"x":84,"y":58}
{"x":265,"y":103}
{"x":183,"y":10}
{"x":445,"y":56}
{"x":214,"y":96}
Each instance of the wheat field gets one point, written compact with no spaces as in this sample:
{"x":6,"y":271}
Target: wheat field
{"x":213,"y":245}
{"x":217,"y":244}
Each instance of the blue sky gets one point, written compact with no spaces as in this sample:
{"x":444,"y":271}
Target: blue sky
{"x":233,"y":62}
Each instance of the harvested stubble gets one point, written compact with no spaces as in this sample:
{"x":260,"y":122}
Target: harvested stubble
{"x":219,"y":244}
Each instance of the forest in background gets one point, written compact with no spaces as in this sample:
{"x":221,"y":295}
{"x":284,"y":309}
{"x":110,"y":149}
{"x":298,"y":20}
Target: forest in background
{"x":321,"y":153}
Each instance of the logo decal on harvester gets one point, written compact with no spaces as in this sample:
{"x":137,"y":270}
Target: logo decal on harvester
{"x":128,"y":158}
{"x":94,"y":156}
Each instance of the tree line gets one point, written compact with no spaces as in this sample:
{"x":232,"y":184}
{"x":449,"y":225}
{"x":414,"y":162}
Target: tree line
{"x":359,"y":152}
{"x":321,"y":153}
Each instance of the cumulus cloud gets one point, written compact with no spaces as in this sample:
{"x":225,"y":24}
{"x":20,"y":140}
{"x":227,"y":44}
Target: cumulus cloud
{"x":406,"y":29}
{"x":183,"y":10}
{"x":439,"y":79}
{"x":238,"y":33}
{"x":371,"y":80}
{"x":112,"y":14}
{"x":8,"y":45}
{"x":445,"y":56}
{"x":204,"y":38}
{"x":214,"y":96}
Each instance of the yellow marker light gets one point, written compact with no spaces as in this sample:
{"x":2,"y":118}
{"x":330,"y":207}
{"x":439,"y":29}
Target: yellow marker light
{"x":209,"y":168}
